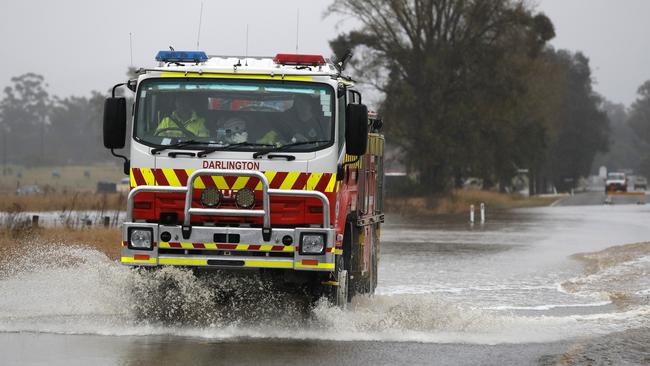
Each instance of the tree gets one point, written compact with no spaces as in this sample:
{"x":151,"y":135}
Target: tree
{"x":24,"y":113}
{"x":452,"y":73}
{"x":583,"y":126}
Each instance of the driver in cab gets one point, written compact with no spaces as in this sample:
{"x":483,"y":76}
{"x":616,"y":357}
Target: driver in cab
{"x":184,"y":121}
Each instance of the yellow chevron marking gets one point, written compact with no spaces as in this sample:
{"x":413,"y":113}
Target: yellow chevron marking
{"x":147,"y":174}
{"x":171,"y":177}
{"x":132,"y":179}
{"x":289,"y":180}
{"x":269,"y":177}
{"x":214,"y":246}
{"x":198,"y":183}
{"x":313,"y":180}
{"x":331,"y":184}
{"x":240,"y":183}
{"x":220,"y":182}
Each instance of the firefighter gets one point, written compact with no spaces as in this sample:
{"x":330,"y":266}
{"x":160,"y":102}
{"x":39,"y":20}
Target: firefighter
{"x":184,"y":121}
{"x":301,"y":122}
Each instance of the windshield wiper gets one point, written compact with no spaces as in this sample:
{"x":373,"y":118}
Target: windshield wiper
{"x":156,"y":150}
{"x":205,"y":152}
{"x":283,"y":147}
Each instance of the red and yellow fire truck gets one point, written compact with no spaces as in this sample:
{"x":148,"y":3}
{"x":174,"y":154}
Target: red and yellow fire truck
{"x":270,"y":164}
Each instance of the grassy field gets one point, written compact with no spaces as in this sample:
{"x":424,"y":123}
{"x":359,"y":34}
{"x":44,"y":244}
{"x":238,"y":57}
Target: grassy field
{"x":69,"y":201}
{"x":459,"y":201}
{"x":17,"y":241}
{"x":60,"y":178}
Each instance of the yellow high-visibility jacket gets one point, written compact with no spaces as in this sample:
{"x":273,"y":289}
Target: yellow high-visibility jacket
{"x":195,"y":125}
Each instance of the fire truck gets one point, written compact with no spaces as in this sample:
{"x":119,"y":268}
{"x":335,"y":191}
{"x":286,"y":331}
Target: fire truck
{"x":267,"y":164}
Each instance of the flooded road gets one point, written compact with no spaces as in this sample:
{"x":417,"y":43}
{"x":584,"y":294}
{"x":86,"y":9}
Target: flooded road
{"x":531,"y":286}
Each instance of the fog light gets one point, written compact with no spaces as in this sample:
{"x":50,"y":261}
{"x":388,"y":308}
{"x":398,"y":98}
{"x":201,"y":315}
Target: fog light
{"x":312,"y":244}
{"x":211,"y":197}
{"x":166,"y":236}
{"x":140,"y":238}
{"x":245,"y":198}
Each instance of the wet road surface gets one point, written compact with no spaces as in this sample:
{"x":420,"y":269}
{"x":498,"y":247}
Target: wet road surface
{"x":531,"y":286}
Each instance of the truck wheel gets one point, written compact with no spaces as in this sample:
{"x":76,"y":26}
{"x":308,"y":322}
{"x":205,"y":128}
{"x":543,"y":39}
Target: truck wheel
{"x":374,"y":257}
{"x":338,"y":295}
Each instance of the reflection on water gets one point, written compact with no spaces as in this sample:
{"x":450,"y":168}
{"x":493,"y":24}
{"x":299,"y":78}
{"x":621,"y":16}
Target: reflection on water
{"x":515,"y":280}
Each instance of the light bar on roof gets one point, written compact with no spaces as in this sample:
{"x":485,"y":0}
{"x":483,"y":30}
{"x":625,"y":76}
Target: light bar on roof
{"x":302,"y":60}
{"x":181,"y":56}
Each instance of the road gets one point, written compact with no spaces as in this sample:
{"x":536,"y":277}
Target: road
{"x":599,"y":198}
{"x":519,"y":290}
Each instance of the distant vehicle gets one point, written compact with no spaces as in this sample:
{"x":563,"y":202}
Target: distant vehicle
{"x":616,"y":181}
{"x":640,"y":183}
{"x":30,"y":189}
{"x":124,"y":185}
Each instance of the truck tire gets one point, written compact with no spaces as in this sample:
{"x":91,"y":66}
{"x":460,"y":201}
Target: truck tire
{"x":375,"y":259}
{"x":338,"y":295}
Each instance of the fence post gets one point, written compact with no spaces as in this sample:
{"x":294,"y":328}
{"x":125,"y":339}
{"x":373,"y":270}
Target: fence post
{"x":482,"y":213}
{"x":471,"y":214}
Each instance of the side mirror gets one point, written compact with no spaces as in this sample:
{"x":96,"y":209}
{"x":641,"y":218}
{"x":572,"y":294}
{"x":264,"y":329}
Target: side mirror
{"x":356,"y":129}
{"x":115,"y":123}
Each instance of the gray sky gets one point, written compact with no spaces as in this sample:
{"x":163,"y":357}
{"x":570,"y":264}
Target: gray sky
{"x":83,"y":45}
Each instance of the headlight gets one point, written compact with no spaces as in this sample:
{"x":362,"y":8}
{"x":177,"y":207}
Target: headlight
{"x":211,"y":197}
{"x":245,"y":198}
{"x":312,"y":243}
{"x":140,"y":238}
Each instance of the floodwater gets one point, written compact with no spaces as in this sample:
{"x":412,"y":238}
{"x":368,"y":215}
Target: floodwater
{"x":542,"y":286}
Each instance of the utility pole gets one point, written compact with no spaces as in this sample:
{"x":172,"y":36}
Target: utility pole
{"x":4,"y":151}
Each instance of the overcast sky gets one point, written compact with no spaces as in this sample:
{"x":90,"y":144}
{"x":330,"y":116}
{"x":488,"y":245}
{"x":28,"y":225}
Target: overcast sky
{"x":83,"y":45}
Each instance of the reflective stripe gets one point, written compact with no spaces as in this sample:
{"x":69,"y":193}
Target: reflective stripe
{"x":133,"y":260}
{"x":204,"y":262}
{"x":313,"y":180}
{"x":228,"y":247}
{"x":323,"y":182}
{"x":289,"y":180}
{"x":318,"y":266}
{"x":148,"y":176}
{"x":266,"y":264}
{"x":235,"y":76}
{"x":183,"y":261}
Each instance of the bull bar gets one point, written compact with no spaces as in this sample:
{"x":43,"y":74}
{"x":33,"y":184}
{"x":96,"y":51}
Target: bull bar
{"x":202,"y":232}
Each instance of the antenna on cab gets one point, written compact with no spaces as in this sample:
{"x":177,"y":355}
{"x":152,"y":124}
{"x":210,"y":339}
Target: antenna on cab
{"x":198,"y":36}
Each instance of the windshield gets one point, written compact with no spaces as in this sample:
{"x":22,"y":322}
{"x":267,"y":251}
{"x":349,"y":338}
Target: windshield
{"x":616,"y":176}
{"x":215,"y":113}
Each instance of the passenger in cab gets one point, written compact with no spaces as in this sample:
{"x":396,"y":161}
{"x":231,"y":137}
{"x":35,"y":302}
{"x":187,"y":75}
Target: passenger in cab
{"x":302,"y":122}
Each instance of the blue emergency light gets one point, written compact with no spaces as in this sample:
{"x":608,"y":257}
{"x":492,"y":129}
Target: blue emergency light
{"x":181,"y":56}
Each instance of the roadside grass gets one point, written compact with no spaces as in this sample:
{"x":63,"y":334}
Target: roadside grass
{"x":69,"y":201}
{"x":60,"y":178}
{"x":459,"y":201}
{"x":16,"y":241}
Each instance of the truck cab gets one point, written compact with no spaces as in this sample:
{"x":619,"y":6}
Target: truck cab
{"x":267,"y":164}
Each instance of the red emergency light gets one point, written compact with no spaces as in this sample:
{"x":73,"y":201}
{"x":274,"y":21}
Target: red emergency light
{"x":295,"y":59}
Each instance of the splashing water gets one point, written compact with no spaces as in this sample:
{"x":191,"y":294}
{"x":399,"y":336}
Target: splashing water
{"x":77,"y":290}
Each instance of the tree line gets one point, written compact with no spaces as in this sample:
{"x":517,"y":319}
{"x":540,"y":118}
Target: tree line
{"x":471,"y":88}
{"x":39,"y":129}
{"x":630,"y":137}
